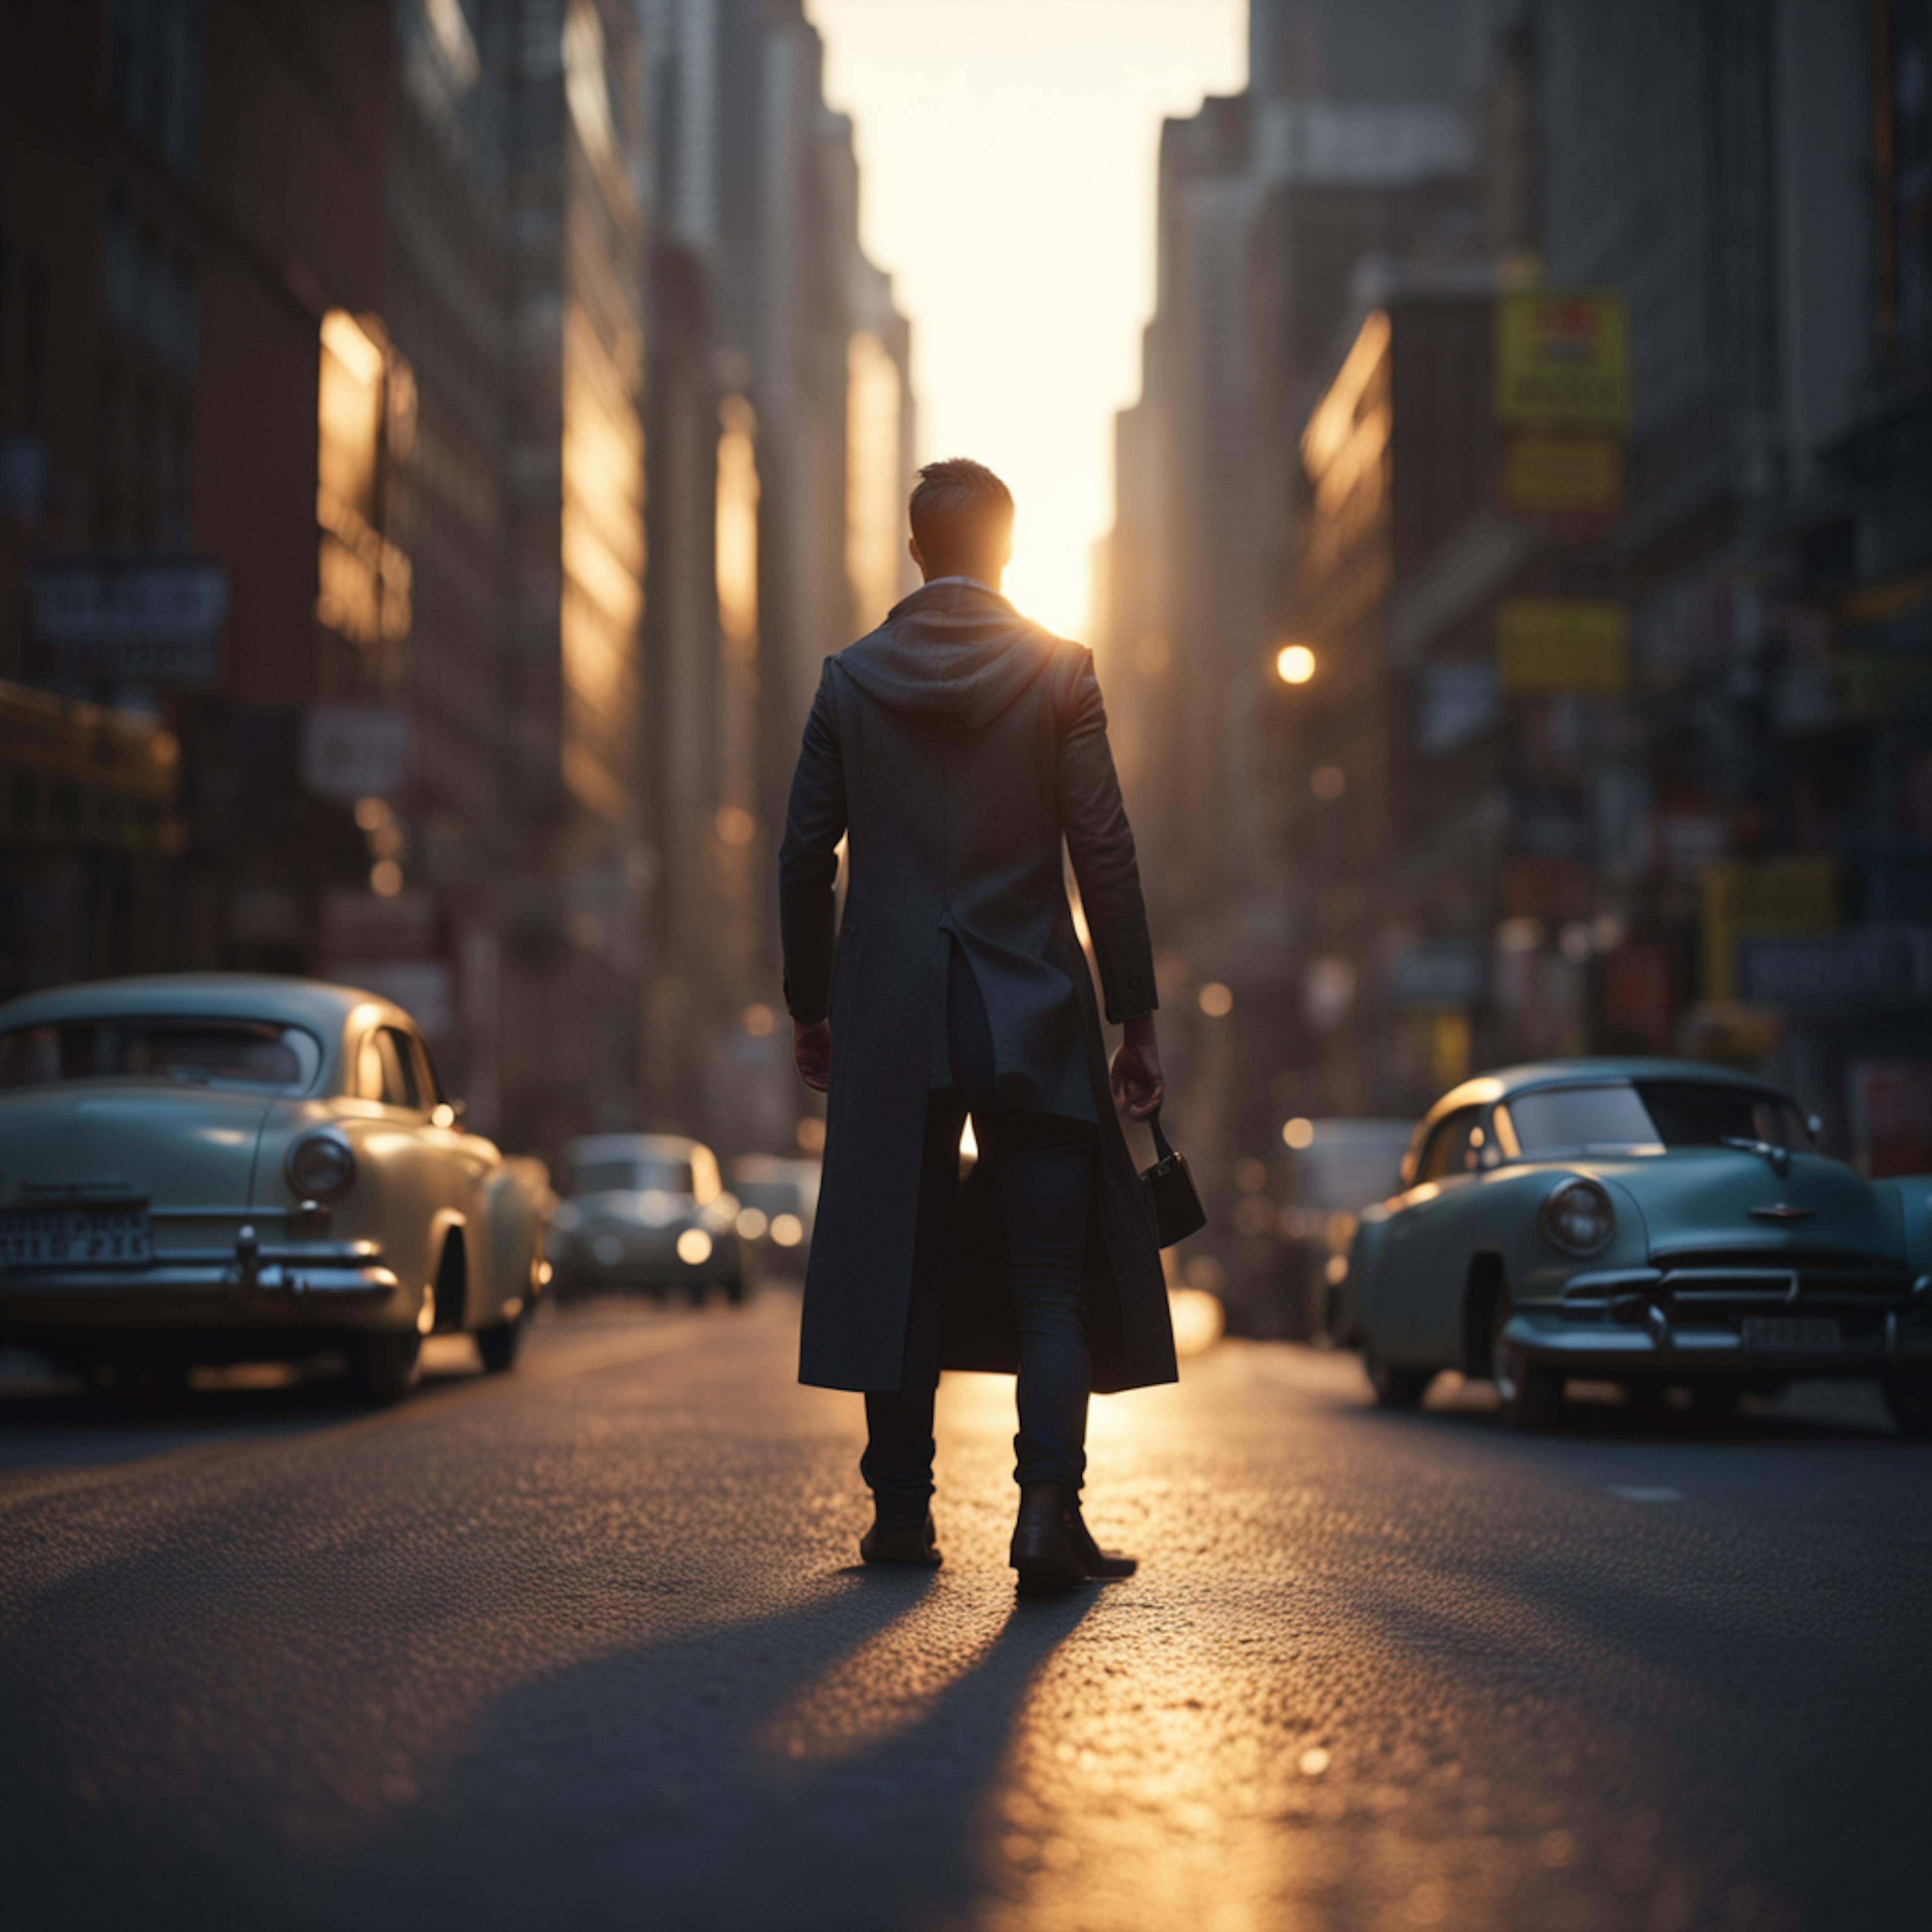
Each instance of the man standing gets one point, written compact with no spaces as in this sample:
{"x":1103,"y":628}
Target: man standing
{"x":954,"y":749}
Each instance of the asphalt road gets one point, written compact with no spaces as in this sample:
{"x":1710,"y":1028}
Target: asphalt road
{"x":587,"y":1647}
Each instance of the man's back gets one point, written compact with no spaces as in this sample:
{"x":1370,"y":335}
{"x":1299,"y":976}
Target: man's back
{"x":953,"y":755}
{"x":959,"y":744}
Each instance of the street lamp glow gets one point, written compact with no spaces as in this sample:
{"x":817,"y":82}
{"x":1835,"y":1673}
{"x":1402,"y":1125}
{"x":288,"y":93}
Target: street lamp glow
{"x":1298,"y":1132}
{"x":1294,"y":664}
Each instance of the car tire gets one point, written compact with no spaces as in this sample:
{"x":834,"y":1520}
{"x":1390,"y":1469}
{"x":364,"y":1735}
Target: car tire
{"x":383,"y":1369}
{"x":1529,"y":1395}
{"x":498,"y":1344}
{"x":1394,"y":1388}
{"x":1909,"y":1400}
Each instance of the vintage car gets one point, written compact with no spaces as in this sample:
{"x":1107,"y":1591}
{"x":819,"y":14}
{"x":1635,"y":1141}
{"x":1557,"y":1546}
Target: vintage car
{"x":778,"y":1201}
{"x":647,"y":1211}
{"x":226,"y":1167}
{"x":1651,"y":1223}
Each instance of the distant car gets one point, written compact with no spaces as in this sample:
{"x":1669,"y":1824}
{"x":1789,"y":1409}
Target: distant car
{"x":1653,"y":1222}
{"x":778,"y":1200}
{"x":225,"y":1167}
{"x":1335,"y":1168}
{"x":647,"y":1211}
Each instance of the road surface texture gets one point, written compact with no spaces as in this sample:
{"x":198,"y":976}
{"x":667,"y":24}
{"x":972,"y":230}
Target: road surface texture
{"x":587,"y":1646}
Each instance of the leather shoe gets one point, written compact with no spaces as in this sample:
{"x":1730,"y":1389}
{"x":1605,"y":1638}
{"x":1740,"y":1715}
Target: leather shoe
{"x":1041,"y":1552}
{"x":1109,"y":1565}
{"x":905,"y":1543}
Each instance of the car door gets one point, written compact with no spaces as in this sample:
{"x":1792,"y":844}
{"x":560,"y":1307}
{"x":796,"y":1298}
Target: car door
{"x":1422,"y":1278}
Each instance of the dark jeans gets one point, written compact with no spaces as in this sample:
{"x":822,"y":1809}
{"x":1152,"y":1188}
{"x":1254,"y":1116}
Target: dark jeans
{"x":1039,"y":1167}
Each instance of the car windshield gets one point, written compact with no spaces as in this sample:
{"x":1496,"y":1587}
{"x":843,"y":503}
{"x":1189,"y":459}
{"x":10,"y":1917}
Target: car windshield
{"x":771,"y":1197}
{"x":1653,"y":1114}
{"x":635,"y":1174}
{"x":202,"y":1052}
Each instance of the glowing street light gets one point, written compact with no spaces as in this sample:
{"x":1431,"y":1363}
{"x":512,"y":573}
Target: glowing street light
{"x":1294,"y":664}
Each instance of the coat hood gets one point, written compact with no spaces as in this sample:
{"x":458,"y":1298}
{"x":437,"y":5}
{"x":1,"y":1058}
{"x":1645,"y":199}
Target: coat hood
{"x":955,"y":649}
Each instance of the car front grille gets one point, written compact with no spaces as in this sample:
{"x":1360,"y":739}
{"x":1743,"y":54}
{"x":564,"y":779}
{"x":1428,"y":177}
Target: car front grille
{"x":1753,"y":1278}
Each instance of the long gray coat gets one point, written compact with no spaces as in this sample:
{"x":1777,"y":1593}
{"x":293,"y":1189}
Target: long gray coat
{"x":954,"y":748}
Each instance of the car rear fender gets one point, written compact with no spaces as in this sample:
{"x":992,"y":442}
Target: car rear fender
{"x":1362,"y":1282}
{"x":512,"y":1242}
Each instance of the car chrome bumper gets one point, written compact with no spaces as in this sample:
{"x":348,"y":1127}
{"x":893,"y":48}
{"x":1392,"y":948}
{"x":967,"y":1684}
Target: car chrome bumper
{"x":317,"y":1282}
{"x":1662,"y":1342}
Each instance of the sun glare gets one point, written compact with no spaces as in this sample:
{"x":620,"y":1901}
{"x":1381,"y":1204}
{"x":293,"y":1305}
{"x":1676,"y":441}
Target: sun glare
{"x":1025,"y":261}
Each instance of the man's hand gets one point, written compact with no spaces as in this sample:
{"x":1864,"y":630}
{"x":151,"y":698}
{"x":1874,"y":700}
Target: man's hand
{"x":1138,"y":1084}
{"x":811,"y":1050}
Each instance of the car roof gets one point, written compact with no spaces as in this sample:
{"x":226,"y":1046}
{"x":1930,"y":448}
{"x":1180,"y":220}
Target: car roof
{"x":280,"y":999}
{"x":619,"y":1147}
{"x":1583,"y":1071}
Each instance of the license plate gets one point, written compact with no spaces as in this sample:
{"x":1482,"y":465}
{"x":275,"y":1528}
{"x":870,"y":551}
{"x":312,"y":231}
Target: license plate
{"x":74,"y":1236}
{"x":1790,"y":1332}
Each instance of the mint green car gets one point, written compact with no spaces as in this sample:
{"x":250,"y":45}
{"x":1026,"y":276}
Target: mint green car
{"x":1653,"y":1222}
{"x":225,"y":1167}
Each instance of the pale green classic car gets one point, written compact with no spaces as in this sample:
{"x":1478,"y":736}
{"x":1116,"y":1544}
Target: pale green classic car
{"x":1651,"y":1223}
{"x":223,"y":1167}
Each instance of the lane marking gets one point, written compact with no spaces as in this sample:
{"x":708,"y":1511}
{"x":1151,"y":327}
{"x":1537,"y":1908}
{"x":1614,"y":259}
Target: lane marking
{"x":1642,"y":1492}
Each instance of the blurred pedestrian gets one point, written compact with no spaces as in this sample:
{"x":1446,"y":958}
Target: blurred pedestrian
{"x":955,"y":749}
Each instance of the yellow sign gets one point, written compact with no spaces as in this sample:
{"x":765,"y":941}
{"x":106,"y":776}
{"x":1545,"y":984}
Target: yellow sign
{"x":1562,"y":361}
{"x":1545,"y":474}
{"x":79,"y":775}
{"x":1798,"y":894}
{"x":1562,"y":643}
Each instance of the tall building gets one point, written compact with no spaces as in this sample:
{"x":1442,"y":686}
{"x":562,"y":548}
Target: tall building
{"x":756,"y":184}
{"x":1621,"y":732}
{"x":1270,"y":203}
{"x":457,"y":836}
{"x":577,"y":255}
{"x":193,"y":215}
{"x":1746,"y":178}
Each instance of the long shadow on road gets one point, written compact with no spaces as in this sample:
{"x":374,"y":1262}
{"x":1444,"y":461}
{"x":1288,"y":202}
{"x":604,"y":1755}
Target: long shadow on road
{"x":830,"y":1766}
{"x":1737,"y":1669}
{"x":57,"y":1423}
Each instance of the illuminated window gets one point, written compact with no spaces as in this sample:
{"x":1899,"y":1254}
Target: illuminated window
{"x":873,"y":483}
{"x":365,"y":412}
{"x":738,"y":527}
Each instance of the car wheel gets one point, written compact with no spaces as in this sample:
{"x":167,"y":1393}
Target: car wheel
{"x":1910,"y":1399}
{"x":1529,"y":1395}
{"x":735,"y":1291}
{"x":383,"y":1368}
{"x":1395,"y":1388}
{"x":498,"y":1344}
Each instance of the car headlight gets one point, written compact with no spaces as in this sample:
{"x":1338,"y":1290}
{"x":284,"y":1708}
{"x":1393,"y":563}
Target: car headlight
{"x":320,"y":1167}
{"x":1578,"y":1218}
{"x":694,"y":1247}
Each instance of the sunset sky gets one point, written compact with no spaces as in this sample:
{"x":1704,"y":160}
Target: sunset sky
{"x":1008,"y":150}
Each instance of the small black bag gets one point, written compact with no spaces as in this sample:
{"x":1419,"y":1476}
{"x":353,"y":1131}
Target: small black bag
{"x":1176,"y":1209}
